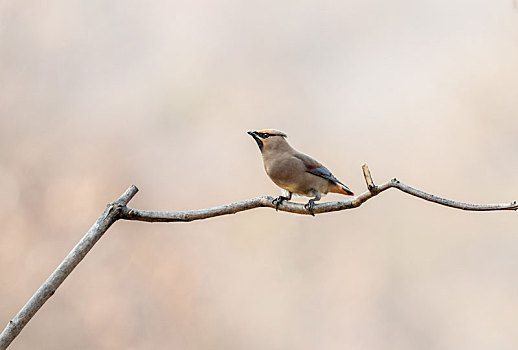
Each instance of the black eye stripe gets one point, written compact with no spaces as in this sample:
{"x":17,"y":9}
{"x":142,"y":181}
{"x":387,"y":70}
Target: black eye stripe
{"x":265,"y":135}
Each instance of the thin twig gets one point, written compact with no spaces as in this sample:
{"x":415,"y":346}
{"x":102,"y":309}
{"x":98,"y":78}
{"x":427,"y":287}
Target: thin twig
{"x":368,"y":178}
{"x":119,"y":210}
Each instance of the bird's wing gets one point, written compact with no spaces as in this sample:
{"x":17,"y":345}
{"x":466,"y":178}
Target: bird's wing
{"x":322,"y":171}
{"x":315,"y":168}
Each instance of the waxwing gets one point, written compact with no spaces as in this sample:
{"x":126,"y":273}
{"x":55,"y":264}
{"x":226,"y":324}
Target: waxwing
{"x":293,"y":171}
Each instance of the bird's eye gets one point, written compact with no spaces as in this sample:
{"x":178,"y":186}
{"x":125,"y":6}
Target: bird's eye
{"x":265,"y":135}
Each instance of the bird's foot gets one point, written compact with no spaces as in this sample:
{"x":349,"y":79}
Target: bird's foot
{"x":278,"y":201}
{"x":309,"y":206}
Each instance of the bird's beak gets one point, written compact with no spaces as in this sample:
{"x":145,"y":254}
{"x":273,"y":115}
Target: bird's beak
{"x":253,"y":134}
{"x":257,"y":139}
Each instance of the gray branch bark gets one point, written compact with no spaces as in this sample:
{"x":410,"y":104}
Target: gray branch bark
{"x":267,"y":201}
{"x":47,"y":289}
{"x":119,"y":210}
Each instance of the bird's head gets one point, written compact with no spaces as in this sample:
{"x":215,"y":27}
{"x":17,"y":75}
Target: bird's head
{"x":268,"y":138}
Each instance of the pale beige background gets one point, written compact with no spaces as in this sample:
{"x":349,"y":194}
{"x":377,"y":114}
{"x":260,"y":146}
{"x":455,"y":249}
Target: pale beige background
{"x":98,"y":95}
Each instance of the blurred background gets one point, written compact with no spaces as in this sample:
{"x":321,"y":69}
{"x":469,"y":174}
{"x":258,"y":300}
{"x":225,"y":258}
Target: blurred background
{"x":97,"y":95}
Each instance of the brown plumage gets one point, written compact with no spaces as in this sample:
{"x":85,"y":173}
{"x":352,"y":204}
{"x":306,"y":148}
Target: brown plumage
{"x":293,"y":171}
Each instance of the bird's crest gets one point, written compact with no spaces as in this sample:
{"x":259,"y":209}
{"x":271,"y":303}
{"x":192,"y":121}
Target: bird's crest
{"x":272,"y":132}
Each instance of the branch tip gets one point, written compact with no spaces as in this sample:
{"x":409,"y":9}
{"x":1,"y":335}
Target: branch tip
{"x":127,"y":195}
{"x":368,"y":178}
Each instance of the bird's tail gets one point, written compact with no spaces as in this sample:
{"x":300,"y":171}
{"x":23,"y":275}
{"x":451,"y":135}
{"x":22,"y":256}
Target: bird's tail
{"x":342,"y":189}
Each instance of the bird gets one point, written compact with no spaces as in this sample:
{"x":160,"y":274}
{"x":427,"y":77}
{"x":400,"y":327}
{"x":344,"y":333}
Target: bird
{"x":295,"y":172}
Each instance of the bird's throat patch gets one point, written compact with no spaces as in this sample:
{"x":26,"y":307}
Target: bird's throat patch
{"x":259,"y":142}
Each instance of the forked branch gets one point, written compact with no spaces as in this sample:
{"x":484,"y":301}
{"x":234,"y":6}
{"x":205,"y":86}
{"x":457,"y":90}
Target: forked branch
{"x":119,"y":210}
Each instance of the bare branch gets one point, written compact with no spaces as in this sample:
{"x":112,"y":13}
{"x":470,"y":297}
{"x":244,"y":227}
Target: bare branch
{"x":267,"y":201}
{"x":449,"y":203}
{"x":47,"y":289}
{"x":119,"y":210}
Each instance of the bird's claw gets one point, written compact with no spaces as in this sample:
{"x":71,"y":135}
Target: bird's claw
{"x":309,"y":206}
{"x":278,"y":201}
